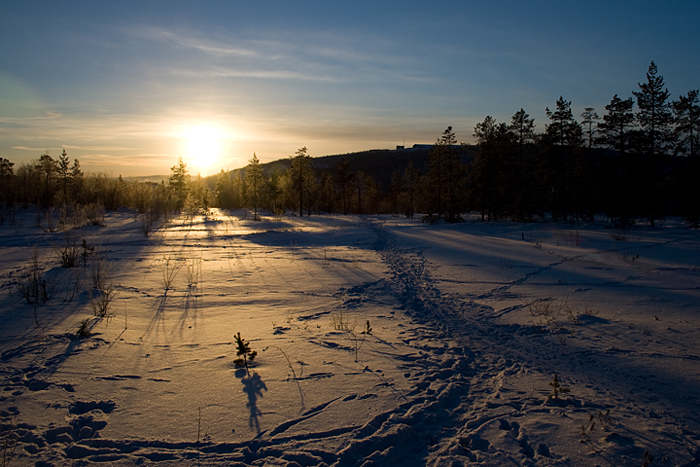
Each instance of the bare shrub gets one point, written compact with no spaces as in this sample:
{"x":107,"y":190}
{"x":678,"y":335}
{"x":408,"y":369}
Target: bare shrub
{"x":504,"y":264}
{"x":74,"y":285}
{"x":193,"y":271}
{"x":8,"y":443}
{"x":102,"y":292}
{"x":69,"y":252}
{"x":63,"y":212}
{"x":33,"y":284}
{"x":341,"y":322}
{"x":50,"y":221}
{"x":100,"y":271}
{"x":95,"y":214}
{"x":170,"y":272}
{"x":620,"y":235}
{"x":101,"y":300}
{"x":147,"y":219}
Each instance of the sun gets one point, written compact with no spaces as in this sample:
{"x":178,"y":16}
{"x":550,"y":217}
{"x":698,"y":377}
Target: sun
{"x":202,"y":146}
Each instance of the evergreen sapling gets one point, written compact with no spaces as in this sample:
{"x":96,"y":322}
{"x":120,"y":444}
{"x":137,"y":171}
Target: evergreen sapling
{"x":244,"y":353}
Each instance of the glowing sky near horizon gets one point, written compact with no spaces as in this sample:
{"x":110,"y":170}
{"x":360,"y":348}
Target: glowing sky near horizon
{"x":127,"y":87}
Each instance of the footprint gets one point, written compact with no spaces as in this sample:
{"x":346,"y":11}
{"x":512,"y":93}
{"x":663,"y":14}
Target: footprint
{"x":367,"y":396}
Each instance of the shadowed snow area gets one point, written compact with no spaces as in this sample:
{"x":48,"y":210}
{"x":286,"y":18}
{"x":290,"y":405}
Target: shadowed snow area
{"x":380,"y":341}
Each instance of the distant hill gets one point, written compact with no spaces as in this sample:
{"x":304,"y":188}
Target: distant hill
{"x":379,"y":163}
{"x":147,"y":178}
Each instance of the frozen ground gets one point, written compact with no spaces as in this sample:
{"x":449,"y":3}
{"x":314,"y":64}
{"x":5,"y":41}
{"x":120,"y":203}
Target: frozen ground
{"x":469,"y":325}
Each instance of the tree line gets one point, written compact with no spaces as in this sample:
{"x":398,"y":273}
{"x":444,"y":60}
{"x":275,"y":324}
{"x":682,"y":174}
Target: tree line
{"x":630,"y":164}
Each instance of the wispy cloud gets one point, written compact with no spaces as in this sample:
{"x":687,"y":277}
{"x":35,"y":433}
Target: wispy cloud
{"x":189,"y":41}
{"x":99,"y":148}
{"x":223,"y":72}
{"x":328,"y":56}
{"x":33,"y":149}
{"x":135,"y":160}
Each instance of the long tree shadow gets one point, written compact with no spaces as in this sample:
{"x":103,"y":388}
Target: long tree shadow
{"x":191,"y":309}
{"x":253,"y":386}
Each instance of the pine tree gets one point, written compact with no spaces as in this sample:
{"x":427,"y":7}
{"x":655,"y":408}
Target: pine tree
{"x":274,"y":190}
{"x":47,"y":168}
{"x":655,"y":119}
{"x":244,"y":352}
{"x":254,"y":183}
{"x":411,"y":178}
{"x":523,"y":127}
{"x":179,"y":183}
{"x":614,"y":133}
{"x":327,"y":192}
{"x":343,"y":177}
{"x":687,"y":116}
{"x":588,"y":118}
{"x":6,"y":186}
{"x":563,"y":128}
{"x":301,"y":172}
{"x":562,"y":136}
{"x":443,"y":174}
{"x":654,"y":116}
{"x":63,"y":171}
{"x":225,"y":196}
{"x":489,"y":166}
{"x":76,"y":178}
{"x":455,"y":176}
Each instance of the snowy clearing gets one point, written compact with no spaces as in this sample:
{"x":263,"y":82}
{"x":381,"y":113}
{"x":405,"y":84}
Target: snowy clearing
{"x":380,"y":341}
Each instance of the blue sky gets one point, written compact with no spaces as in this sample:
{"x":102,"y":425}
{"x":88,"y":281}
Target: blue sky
{"x":127,"y":87}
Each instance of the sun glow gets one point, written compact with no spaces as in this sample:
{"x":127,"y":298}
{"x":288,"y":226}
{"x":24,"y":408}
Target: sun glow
{"x":203,"y":147}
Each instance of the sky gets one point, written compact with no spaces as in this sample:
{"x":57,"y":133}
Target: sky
{"x":127,"y":87}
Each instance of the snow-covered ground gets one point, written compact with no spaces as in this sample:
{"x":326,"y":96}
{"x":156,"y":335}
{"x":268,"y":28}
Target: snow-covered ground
{"x":470,"y":323}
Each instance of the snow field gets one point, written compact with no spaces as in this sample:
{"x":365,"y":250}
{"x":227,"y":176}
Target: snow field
{"x":469,"y":325}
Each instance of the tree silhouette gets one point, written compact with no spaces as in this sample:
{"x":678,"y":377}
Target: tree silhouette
{"x":687,"y":116}
{"x":63,"y":171}
{"x":254,"y":183}
{"x":301,"y":172}
{"x":343,"y":178}
{"x":47,"y":168}
{"x":523,"y":127}
{"x":178,"y":183}
{"x":655,"y":119}
{"x":614,"y":133}
{"x":562,"y":135}
{"x":411,"y":179}
{"x":489,"y":166}
{"x":444,"y":176}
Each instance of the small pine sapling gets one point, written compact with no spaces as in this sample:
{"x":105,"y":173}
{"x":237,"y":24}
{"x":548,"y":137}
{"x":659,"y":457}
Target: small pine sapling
{"x":557,"y":389}
{"x":244,"y":353}
{"x":83,"y":329}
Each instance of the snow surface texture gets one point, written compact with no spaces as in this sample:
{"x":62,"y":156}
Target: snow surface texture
{"x":380,"y":341}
